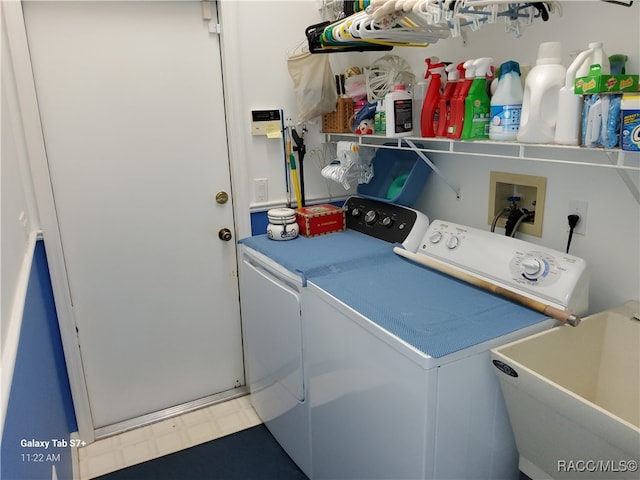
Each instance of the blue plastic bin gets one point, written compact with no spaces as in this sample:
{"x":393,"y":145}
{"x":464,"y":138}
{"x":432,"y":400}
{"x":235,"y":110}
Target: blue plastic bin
{"x":391,"y":166}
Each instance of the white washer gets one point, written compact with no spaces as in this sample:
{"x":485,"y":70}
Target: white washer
{"x":381,"y":409}
{"x":396,"y":376}
{"x":397,"y":356}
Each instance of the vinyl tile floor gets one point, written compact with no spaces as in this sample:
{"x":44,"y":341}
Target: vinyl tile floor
{"x":165,"y":437}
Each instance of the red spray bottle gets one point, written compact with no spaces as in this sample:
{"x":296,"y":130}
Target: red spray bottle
{"x":442,"y":116}
{"x":454,"y":130}
{"x":436,"y":72}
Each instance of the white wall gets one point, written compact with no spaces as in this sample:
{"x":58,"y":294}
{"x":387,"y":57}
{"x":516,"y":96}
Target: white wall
{"x":259,"y":34}
{"x":15,"y":213}
{"x":258,"y":37}
{"x":19,"y":215}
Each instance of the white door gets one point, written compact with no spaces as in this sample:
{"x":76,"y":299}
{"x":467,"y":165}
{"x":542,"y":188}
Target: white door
{"x":130,"y":95}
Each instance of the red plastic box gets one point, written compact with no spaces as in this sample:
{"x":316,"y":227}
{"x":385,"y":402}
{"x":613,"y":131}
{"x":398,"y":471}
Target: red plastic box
{"x":320,"y":220}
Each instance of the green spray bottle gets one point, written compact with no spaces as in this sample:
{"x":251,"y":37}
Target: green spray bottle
{"x":477,"y":105}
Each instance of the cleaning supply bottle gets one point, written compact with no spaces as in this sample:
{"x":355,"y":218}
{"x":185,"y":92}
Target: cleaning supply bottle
{"x":444,"y":102}
{"x":477,"y":105}
{"x":456,"y":122}
{"x":617,"y":63}
{"x":379,"y":120}
{"x":569,"y":104}
{"x":596,"y":57}
{"x":491,"y":77}
{"x":506,"y":104}
{"x":435,"y":72}
{"x":540,"y":100}
{"x":399,"y":112}
{"x":420,"y":90}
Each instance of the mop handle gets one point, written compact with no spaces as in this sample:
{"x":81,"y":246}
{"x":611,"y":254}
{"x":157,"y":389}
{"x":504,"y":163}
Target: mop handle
{"x":294,"y":179}
{"x":553,"y":312}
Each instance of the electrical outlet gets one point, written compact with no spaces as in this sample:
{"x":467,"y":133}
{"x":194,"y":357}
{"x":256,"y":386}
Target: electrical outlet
{"x":579,"y":207}
{"x":527,"y":191}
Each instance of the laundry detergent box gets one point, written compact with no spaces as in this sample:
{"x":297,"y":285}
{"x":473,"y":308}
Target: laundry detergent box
{"x":630,"y":130}
{"x":320,"y":219}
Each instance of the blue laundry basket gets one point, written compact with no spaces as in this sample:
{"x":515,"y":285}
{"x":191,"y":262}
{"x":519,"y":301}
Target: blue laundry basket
{"x":398,"y":177}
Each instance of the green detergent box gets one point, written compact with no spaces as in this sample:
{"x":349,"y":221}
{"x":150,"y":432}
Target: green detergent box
{"x":630,"y":131}
{"x":596,"y":83}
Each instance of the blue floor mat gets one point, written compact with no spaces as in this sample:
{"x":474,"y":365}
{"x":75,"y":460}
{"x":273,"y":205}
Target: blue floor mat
{"x":251,"y":454}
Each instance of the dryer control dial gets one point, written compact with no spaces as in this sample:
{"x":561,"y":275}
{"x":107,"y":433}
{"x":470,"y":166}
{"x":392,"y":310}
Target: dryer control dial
{"x":371,"y":217}
{"x":435,"y":237}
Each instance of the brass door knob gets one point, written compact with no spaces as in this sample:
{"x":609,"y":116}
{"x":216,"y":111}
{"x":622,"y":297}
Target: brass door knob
{"x":222,"y":197}
{"x":224,"y":234}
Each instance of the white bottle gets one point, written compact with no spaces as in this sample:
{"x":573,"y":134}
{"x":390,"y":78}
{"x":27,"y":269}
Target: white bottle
{"x":596,"y":57}
{"x":570,"y":104}
{"x":506,"y":104}
{"x":399,"y":112}
{"x":540,"y":100}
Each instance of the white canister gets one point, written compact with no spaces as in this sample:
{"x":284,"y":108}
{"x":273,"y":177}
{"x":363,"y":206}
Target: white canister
{"x":541,"y":93}
{"x":398,"y":106}
{"x":282,"y":224}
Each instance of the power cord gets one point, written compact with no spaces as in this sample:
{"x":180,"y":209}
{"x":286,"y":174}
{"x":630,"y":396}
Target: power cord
{"x":573,"y":221}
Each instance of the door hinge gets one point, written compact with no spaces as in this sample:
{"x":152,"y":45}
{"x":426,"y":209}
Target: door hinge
{"x":210,"y":15}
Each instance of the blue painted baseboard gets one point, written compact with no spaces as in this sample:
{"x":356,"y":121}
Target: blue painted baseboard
{"x":40,"y":408}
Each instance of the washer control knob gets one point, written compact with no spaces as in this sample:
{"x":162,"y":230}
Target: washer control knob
{"x":532,"y":267}
{"x":371,"y":217}
{"x":387,"y":222}
{"x":355,"y":212}
{"x":452,"y":242}
{"x":435,"y":237}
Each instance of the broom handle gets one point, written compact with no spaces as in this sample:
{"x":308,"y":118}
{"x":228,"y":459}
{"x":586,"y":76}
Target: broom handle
{"x":553,"y":312}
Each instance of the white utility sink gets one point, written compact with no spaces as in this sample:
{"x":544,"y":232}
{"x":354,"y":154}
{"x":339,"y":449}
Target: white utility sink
{"x":573,"y":397}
